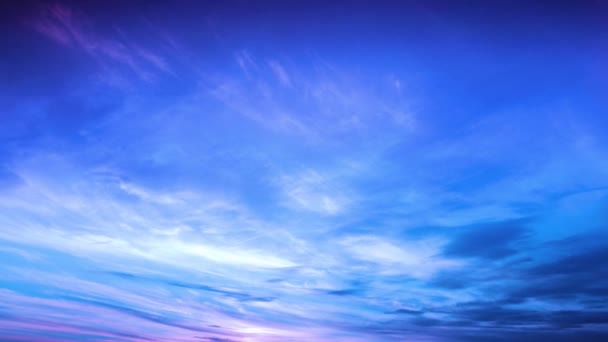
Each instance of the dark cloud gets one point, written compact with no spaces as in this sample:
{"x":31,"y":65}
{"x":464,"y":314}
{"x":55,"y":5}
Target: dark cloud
{"x":562,"y":287}
{"x":234,"y":294}
{"x":575,"y":276}
{"x":580,"y":275}
{"x":216,"y":339}
{"x":575,"y":319}
{"x":573,"y":272}
{"x":124,"y":275}
{"x":499,"y":315}
{"x":345,"y":292}
{"x":422,"y":321}
{"x":245,"y":297}
{"x":275,"y":280}
{"x":488,"y":241}
{"x":406,"y":312}
{"x":527,"y":335}
{"x":156,"y":318}
{"x":453,"y":280}
{"x":477,"y":313}
{"x":595,"y":260}
{"x":494,"y":321}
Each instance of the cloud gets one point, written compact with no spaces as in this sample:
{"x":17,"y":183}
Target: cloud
{"x":73,"y":29}
{"x":280,"y":73}
{"x":345,"y":292}
{"x":595,"y":260}
{"x":311,"y":191}
{"x":315,"y":103}
{"x":211,"y":191}
{"x":414,"y":258}
{"x":96,"y":318}
{"x":573,"y":277}
{"x":245,"y":62}
{"x":229,"y":293}
{"x":406,"y":312}
{"x":488,"y":241}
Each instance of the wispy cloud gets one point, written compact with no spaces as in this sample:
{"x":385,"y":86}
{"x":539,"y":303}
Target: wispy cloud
{"x":280,"y":73}
{"x":311,"y":191}
{"x":317,"y":103}
{"x":73,"y":29}
{"x":418,"y":259}
{"x":228,"y":173}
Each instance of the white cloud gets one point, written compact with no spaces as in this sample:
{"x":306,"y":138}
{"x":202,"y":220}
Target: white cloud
{"x":184,"y":229}
{"x":414,"y":258}
{"x":280,"y":73}
{"x":311,"y":191}
{"x":224,"y":254}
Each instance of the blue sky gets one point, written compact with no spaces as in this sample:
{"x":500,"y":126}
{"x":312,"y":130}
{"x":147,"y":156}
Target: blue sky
{"x":304,"y":171}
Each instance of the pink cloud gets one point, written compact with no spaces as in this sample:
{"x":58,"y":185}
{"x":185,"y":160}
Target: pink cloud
{"x":54,"y":23}
{"x":63,"y":25}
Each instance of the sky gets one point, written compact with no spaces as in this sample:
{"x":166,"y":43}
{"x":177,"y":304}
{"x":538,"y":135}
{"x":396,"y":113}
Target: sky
{"x":304,"y":171}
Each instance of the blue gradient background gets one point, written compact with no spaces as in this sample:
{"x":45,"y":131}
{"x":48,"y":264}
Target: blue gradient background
{"x":304,"y":171}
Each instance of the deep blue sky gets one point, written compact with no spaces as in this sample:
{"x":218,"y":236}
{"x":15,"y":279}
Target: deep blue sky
{"x":304,"y":171}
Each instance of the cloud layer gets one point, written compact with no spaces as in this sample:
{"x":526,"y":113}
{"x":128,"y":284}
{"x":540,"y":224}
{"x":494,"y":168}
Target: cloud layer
{"x":271,"y":172}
